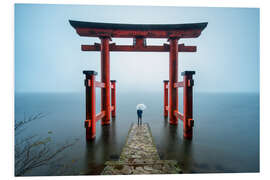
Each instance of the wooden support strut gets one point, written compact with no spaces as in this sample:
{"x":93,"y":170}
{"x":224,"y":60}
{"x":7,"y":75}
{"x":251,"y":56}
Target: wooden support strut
{"x":90,"y":98}
{"x":113,"y":92}
{"x":100,"y":84}
{"x":100,"y":115}
{"x":165,"y":98}
{"x":105,"y":78}
{"x":187,"y":115}
{"x":112,"y":108}
{"x":188,"y":104}
{"x":179,"y":84}
{"x":139,"y":48}
{"x":173,"y":78}
{"x":179,"y":115}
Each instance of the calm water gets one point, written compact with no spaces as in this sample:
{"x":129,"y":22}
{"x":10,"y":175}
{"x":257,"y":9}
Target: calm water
{"x":226,"y":131}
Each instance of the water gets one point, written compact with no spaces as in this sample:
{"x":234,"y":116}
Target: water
{"x":226,"y":131}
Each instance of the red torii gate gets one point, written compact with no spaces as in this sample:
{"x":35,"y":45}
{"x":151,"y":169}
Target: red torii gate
{"x":139,"y":33}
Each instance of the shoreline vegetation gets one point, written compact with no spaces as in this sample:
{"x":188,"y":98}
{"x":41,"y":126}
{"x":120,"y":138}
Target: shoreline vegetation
{"x":33,"y":151}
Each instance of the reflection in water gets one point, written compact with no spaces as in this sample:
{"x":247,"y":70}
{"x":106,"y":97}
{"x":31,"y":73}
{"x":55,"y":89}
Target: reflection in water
{"x":187,"y":155}
{"x":222,"y":141}
{"x":175,"y":147}
{"x":101,"y":149}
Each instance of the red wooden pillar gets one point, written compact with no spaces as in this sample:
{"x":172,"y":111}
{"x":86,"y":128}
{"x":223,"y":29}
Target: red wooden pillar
{"x":166,"y":98}
{"x":90,"y":98}
{"x":113,"y":92}
{"x":188,"y":105}
{"x":173,"y":78}
{"x":105,"y":78}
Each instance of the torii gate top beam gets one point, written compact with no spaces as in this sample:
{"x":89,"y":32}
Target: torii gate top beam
{"x":94,"y":29}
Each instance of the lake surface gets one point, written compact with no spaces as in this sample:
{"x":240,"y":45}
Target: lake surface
{"x":226,"y":131}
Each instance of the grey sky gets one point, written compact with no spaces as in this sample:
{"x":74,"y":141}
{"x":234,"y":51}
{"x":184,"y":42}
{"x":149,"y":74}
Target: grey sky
{"x":48,"y":56}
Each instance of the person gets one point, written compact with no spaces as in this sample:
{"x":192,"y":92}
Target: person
{"x":139,"y":113}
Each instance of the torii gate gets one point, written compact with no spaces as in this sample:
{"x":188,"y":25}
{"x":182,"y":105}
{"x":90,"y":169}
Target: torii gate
{"x":139,"y":33}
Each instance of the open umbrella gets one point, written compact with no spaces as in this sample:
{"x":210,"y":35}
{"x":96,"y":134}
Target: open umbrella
{"x":141,"y":107}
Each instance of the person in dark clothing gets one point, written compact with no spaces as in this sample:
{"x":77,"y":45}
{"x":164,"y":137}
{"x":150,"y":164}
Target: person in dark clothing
{"x":139,"y":113}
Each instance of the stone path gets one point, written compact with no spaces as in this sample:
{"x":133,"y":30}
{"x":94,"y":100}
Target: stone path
{"x":140,"y":156}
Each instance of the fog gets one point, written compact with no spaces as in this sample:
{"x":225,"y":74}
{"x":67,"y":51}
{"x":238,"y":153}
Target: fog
{"x":48,"y":57}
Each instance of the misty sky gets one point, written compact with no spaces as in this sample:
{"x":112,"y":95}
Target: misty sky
{"x":48,"y":57}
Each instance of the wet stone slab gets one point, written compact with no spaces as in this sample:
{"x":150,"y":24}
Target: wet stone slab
{"x":140,"y":156}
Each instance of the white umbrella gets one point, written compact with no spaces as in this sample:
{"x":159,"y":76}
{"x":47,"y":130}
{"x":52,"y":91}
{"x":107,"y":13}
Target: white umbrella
{"x":141,"y":107}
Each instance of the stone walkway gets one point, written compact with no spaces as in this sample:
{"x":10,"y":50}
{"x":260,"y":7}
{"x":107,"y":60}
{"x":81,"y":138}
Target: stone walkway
{"x":140,"y":156}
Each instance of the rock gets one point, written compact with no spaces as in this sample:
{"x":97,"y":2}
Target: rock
{"x":138,"y":161}
{"x":119,"y":166}
{"x":126,"y":170}
{"x":139,"y":168}
{"x":157,"y":166}
{"x":148,"y":168}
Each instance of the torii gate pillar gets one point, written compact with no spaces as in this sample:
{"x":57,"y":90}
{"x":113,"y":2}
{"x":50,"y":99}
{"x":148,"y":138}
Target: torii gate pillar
{"x":173,"y":78}
{"x":105,"y":78}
